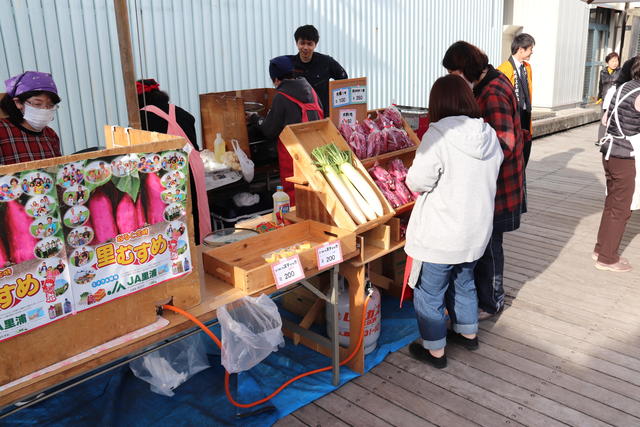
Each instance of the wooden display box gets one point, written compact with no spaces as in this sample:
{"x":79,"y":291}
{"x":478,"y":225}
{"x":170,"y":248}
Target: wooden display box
{"x":300,"y":140}
{"x":242,"y":264}
{"x":223,"y":112}
{"x":53,"y":342}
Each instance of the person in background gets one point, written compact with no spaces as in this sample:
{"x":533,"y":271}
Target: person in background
{"x":295,"y":102}
{"x":608,"y":77}
{"x":157,"y":114}
{"x":455,"y":171}
{"x":499,"y":108}
{"x":618,"y":145}
{"x":317,"y":68}
{"x":518,"y":70}
{"x":30,"y":104}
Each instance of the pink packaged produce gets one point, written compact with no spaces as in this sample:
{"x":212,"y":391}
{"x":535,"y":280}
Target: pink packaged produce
{"x":393,"y":114}
{"x":376,"y":143}
{"x":346,"y":130}
{"x":358,"y":143}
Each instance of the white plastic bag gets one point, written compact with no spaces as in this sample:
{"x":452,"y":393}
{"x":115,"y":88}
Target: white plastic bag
{"x":251,"y":330}
{"x":246,"y":164}
{"x":170,"y":366}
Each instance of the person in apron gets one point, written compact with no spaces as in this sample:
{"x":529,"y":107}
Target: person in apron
{"x":158,"y":115}
{"x":619,"y":147}
{"x":295,"y":102}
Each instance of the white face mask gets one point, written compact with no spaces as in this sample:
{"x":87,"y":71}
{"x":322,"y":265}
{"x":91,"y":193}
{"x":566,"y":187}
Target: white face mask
{"x":38,"y":118}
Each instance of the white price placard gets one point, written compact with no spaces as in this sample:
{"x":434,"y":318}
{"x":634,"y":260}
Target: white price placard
{"x":287,"y":271}
{"x":341,"y":97}
{"x":329,"y":254}
{"x":359,"y":95}
{"x":347,"y":116}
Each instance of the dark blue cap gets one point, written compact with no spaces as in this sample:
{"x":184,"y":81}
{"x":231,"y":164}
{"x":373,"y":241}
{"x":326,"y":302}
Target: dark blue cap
{"x":280,"y":66}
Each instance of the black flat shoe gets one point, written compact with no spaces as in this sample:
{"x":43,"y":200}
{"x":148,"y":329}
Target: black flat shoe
{"x":423,"y":355}
{"x":468,"y":343}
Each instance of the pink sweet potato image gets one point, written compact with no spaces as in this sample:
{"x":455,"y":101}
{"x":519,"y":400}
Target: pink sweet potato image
{"x":126,"y":215}
{"x":4,"y":258}
{"x":139,"y":210}
{"x":21,"y":242}
{"x":155,"y":206}
{"x":102,"y":220}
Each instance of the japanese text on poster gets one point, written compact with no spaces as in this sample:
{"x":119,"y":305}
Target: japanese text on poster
{"x":84,"y":233}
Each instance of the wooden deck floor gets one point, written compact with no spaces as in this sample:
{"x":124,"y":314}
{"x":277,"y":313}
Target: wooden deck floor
{"x":566,"y":351}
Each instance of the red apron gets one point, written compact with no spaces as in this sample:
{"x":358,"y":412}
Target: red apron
{"x":285,"y":162}
{"x":195,"y":162}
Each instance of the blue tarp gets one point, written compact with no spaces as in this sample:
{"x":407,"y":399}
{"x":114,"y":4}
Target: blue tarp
{"x":119,"y":398}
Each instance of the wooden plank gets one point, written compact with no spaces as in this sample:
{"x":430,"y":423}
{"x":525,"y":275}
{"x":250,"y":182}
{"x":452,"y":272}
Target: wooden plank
{"x":537,"y":367}
{"x":384,"y":409}
{"x":547,"y":383}
{"x":290,"y":421}
{"x":126,"y":59}
{"x":348,"y":412}
{"x":411,"y":401}
{"x":314,"y":415}
{"x":434,"y":392}
{"x":462,"y":386}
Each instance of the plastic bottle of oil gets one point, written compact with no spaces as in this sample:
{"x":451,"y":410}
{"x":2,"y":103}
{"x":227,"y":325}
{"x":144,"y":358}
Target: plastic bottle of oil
{"x":281,"y":204}
{"x":219,"y":148}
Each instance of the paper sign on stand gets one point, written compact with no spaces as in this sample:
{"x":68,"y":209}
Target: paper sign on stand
{"x":287,"y":271}
{"x":348,"y":116}
{"x":329,"y":255}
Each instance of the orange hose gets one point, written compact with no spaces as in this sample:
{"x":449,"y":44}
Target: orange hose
{"x":287,"y":383}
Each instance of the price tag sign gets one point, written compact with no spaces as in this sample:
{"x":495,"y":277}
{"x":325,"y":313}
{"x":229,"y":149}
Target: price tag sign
{"x":341,"y":97}
{"x":329,"y":254}
{"x":287,"y":271}
{"x":359,"y":95}
{"x":347,"y":116}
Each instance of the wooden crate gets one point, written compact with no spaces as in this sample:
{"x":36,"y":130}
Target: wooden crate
{"x":242,"y":264}
{"x":300,"y":139}
{"x":223,"y":112}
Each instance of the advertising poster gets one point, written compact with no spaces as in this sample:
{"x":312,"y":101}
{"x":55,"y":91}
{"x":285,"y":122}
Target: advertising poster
{"x":81,"y":234}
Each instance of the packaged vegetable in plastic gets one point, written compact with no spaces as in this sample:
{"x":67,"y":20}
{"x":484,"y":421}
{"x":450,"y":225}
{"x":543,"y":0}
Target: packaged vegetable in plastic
{"x":397,"y":139}
{"x":388,"y":193}
{"x":393,"y":114}
{"x":167,"y":368}
{"x":397,"y":169}
{"x":358,"y":144}
{"x":402,"y":192}
{"x":375,"y":143}
{"x":251,"y":330}
{"x":346,"y":130}
{"x":368,"y":126}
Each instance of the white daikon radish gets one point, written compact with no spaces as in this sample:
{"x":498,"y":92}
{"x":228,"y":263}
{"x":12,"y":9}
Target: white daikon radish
{"x":362,"y":204}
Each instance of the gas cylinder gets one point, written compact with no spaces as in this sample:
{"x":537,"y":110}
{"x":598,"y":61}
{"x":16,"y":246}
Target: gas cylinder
{"x":372,"y":322}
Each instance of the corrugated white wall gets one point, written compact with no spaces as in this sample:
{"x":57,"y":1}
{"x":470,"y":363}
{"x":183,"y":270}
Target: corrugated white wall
{"x":200,"y":46}
{"x":560,"y":28}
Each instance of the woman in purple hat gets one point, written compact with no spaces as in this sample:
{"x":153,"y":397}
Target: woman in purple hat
{"x":30,"y":105}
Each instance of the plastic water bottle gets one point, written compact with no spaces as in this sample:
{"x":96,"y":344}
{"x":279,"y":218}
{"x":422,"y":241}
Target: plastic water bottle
{"x":281,"y":205}
{"x":219,"y":148}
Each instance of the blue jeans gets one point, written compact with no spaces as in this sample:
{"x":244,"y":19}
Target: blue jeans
{"x":447,"y":285}
{"x":489,"y":275}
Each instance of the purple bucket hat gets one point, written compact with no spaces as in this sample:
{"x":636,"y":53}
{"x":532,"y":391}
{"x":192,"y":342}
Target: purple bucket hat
{"x":30,"y":81}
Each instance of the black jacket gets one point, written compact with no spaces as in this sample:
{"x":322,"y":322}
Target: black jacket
{"x":186,"y":121}
{"x":629,"y":119}
{"x":318,"y":71}
{"x":285,"y":112}
{"x":606,"y":81}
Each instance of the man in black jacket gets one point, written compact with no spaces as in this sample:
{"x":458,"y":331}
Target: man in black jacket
{"x":315,"y":67}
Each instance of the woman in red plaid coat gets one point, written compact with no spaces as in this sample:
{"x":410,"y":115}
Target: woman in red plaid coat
{"x":496,"y":98}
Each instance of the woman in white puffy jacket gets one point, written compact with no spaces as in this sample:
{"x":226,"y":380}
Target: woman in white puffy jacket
{"x":455,"y":171}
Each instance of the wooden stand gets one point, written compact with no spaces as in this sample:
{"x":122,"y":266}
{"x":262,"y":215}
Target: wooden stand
{"x":223,"y":112}
{"x":45,"y":346}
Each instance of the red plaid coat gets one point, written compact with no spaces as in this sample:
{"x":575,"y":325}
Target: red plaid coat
{"x":20,"y":145}
{"x":499,"y":107}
